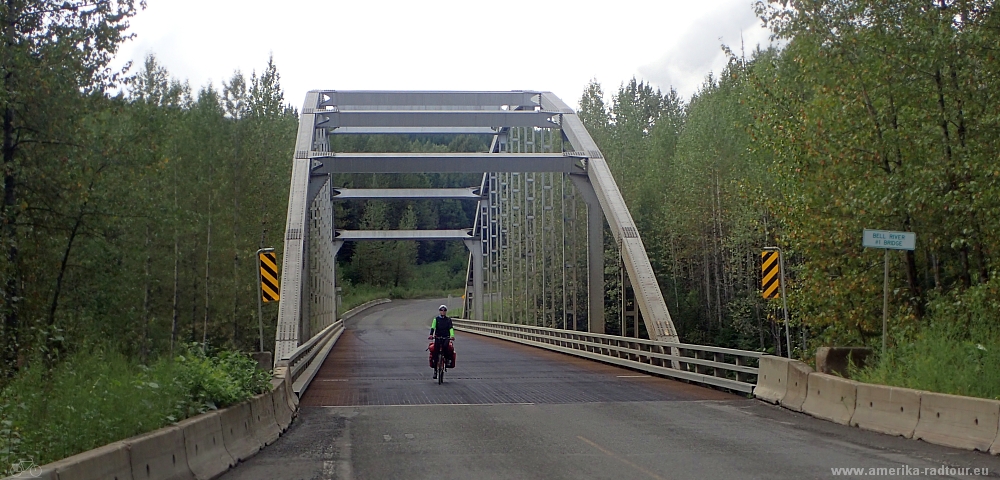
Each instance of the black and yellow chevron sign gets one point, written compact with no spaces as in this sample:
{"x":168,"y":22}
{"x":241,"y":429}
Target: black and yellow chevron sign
{"x":268,"y":277}
{"x":770,"y":281}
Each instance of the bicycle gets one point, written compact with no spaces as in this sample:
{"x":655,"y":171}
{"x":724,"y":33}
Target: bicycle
{"x":440,"y":348}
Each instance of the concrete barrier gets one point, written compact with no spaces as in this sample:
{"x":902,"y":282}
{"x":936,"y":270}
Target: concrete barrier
{"x":159,"y":455}
{"x":236,"y":433}
{"x":282,"y":413}
{"x":995,"y":447}
{"x":954,"y":421}
{"x":830,"y":397}
{"x":281,"y":374}
{"x":110,"y":462}
{"x":263,"y":425}
{"x":890,"y":410}
{"x":206,"y":450}
{"x":772,"y":379}
{"x":798,"y":379}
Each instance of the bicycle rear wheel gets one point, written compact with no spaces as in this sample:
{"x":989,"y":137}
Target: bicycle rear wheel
{"x":440,"y":369}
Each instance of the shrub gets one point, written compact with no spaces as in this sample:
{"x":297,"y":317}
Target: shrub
{"x":99,"y":396}
{"x":956,"y":351}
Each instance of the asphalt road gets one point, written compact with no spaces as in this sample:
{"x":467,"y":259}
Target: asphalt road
{"x":509,"y":411}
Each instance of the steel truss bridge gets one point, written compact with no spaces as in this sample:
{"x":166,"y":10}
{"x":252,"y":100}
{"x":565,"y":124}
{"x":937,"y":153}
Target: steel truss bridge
{"x":537,"y":244}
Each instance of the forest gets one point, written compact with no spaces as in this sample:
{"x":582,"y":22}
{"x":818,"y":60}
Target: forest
{"x":879,"y":115}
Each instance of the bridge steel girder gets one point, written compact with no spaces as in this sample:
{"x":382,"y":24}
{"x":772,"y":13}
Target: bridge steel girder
{"x":654,"y":311}
{"x":308,"y":291}
{"x":307,"y":298}
{"x":595,"y":251}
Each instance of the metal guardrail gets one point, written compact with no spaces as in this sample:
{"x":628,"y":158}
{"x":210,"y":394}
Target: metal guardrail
{"x":305,"y":360}
{"x":716,"y":366}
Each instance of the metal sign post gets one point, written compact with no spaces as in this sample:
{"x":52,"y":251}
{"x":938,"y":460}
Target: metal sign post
{"x":769,"y":292}
{"x":260,"y":295}
{"x":888,"y":240}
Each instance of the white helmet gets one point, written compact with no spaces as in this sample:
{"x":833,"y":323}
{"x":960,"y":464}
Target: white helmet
{"x":443,"y":307}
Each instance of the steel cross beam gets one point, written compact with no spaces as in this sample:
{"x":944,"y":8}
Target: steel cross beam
{"x":436,"y":118}
{"x":471,"y":193}
{"x":445,"y":163}
{"x":376,"y":235}
{"x":365,"y":99}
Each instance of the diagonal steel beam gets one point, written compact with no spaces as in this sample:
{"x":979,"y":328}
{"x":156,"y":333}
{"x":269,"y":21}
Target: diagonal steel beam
{"x":651,"y":304}
{"x":445,"y":162}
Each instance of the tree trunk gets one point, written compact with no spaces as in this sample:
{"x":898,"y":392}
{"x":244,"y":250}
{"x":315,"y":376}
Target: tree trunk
{"x":175,"y":313}
{"x":10,"y":295}
{"x":54,"y":348}
{"x":208,"y":251}
{"x":144,"y":347}
{"x":11,"y":322}
{"x":236,"y":236}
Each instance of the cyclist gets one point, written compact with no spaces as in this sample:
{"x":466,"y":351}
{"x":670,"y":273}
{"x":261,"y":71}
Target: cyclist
{"x":443,"y":334}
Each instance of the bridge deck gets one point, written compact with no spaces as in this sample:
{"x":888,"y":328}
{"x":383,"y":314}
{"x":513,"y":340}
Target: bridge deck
{"x":510,"y":411}
{"x":381,"y":361}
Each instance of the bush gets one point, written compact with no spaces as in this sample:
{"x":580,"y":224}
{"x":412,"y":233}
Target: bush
{"x":219,"y":380}
{"x":100,"y":396}
{"x":956,"y":351}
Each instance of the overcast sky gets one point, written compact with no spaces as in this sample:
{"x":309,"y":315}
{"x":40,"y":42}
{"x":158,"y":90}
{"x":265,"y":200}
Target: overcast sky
{"x":552,"y":45}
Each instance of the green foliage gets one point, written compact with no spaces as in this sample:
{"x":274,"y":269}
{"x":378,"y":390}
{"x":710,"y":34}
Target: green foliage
{"x":693,"y":186}
{"x":872,"y":115}
{"x":219,"y":380}
{"x":956,"y":353}
{"x":54,"y":63}
{"x":99,"y":396}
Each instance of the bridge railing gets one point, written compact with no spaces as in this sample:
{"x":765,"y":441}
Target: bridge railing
{"x":716,"y":366}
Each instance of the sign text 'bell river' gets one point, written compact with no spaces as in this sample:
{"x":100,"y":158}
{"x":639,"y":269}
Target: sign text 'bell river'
{"x":890,"y":240}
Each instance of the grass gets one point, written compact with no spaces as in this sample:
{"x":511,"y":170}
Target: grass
{"x":100,"y":396}
{"x":956,"y":350}
{"x":938,"y":360}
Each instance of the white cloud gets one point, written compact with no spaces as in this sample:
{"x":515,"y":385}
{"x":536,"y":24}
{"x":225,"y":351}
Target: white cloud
{"x":556,"y":45}
{"x":687,"y":63}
